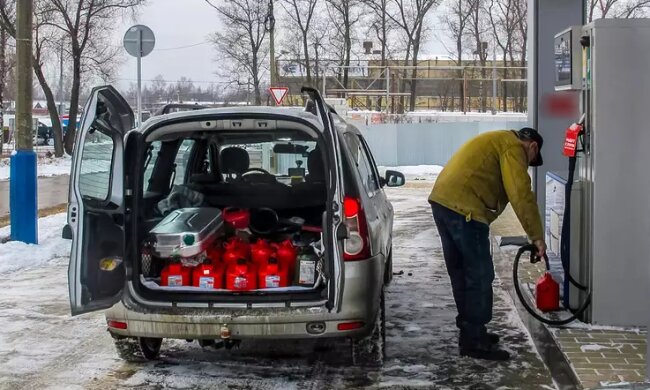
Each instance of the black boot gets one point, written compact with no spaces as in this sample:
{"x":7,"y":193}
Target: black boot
{"x":486,"y":351}
{"x":493,"y":338}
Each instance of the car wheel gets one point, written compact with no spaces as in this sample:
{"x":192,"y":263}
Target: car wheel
{"x":150,"y":347}
{"x":370,"y":351}
{"x":138,"y":349}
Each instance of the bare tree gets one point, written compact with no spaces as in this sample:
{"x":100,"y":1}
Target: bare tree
{"x":242,"y":41}
{"x":301,"y":13}
{"x":478,"y":28}
{"x":600,"y":9}
{"x":42,"y":38}
{"x":86,"y":25}
{"x":519,"y":48}
{"x":457,"y":21}
{"x":3,"y":75}
{"x":345,"y":14}
{"x":411,"y":17}
{"x":381,"y":25}
{"x":503,"y":20}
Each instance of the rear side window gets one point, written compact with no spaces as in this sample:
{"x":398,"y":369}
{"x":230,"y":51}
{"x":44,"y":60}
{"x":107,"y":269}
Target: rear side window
{"x":151,"y":160}
{"x":363,"y":162}
{"x":182,"y":158}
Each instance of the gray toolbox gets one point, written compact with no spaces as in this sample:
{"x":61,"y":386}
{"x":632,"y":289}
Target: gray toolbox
{"x":186,"y":232}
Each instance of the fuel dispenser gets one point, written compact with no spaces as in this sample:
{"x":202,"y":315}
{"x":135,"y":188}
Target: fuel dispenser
{"x":598,"y":213}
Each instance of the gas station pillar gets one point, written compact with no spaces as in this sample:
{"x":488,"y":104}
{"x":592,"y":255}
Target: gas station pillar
{"x":545,"y":19}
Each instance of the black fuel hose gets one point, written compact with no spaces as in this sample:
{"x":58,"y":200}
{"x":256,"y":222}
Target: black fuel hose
{"x":515,"y":279}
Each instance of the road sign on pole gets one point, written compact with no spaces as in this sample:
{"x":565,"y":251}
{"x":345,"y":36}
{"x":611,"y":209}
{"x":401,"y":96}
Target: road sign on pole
{"x":278,"y":94}
{"x":139,"y":41}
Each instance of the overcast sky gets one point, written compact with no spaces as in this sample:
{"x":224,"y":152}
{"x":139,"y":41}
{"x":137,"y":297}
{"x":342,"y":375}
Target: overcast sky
{"x":176,"y":23}
{"x":179,"y":23}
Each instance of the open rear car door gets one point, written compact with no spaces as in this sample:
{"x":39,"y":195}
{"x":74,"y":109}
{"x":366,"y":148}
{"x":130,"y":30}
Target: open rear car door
{"x":96,"y":209}
{"x":334,"y":229}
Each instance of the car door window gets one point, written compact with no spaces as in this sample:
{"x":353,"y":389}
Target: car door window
{"x":96,"y":162}
{"x":363,"y":164}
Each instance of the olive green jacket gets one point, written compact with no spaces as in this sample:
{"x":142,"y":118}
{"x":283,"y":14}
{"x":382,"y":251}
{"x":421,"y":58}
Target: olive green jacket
{"x":486,"y":173}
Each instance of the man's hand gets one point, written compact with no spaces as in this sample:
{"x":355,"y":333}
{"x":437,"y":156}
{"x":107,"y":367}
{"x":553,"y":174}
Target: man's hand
{"x":541,"y":248}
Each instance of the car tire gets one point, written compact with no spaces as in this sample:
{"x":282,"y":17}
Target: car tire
{"x":137,"y":349}
{"x":370,"y":351}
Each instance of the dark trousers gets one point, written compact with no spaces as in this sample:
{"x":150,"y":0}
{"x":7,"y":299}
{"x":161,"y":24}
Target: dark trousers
{"x":466,"y":247}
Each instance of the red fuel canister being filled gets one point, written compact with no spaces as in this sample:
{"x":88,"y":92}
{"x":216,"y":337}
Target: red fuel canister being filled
{"x":547,"y":293}
{"x":272,"y":275}
{"x":241,"y":276}
{"x":208,"y":276}
{"x":261,"y":252}
{"x":175,"y":275}
{"x":286,"y":254}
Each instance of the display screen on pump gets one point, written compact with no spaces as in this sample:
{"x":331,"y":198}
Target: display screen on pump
{"x":563,"y":74}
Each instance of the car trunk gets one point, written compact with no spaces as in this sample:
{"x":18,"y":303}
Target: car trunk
{"x":233,"y":215}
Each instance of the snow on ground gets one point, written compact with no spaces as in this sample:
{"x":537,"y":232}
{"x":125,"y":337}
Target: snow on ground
{"x":41,"y":346}
{"x":47,"y":166}
{"x":16,"y":255}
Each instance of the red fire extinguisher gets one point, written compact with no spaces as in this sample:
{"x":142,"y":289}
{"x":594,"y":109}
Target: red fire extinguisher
{"x":547,"y":293}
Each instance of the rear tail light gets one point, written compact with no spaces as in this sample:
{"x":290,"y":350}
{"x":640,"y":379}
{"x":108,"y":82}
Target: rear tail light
{"x":350,"y":325}
{"x":116,"y":324}
{"x":356,"y":246}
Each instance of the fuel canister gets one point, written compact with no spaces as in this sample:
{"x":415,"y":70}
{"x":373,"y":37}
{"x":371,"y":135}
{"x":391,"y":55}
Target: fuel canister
{"x":547,"y":293}
{"x":241,"y":276}
{"x":261,"y":252}
{"x":208,"y":276}
{"x":272,"y":275}
{"x":175,"y":275}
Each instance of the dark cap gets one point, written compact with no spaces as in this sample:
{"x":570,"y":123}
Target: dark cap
{"x":530,"y":134}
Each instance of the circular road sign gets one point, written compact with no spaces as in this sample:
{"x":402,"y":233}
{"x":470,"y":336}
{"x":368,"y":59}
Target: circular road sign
{"x":139,"y":37}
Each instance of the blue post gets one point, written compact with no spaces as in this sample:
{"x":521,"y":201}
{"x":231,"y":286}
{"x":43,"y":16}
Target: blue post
{"x":23,"y":197}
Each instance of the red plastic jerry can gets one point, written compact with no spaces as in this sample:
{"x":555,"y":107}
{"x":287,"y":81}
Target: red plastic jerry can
{"x":208,"y":276}
{"x":547,"y":293}
{"x":175,"y":275}
{"x":235,"y":249}
{"x":241,"y":276}
{"x":261,"y":252}
{"x":286,"y":255}
{"x":272,"y":275}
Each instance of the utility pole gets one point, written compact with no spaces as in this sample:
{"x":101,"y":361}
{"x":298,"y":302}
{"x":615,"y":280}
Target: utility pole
{"x":22,"y":175}
{"x":271,"y":19}
{"x":3,"y":75}
{"x":61,"y":105}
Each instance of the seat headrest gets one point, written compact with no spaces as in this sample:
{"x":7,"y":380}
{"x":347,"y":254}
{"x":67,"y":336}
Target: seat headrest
{"x":315,"y":166}
{"x":234,"y":160}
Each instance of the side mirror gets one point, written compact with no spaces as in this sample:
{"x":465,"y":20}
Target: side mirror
{"x":394,"y":179}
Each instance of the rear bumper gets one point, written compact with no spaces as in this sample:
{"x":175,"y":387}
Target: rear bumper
{"x":362,"y":288}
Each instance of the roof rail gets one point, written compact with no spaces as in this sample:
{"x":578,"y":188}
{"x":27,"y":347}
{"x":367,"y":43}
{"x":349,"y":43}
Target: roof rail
{"x":175,"y":107}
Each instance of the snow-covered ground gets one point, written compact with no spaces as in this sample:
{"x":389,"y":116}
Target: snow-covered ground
{"x":416,"y":172}
{"x":41,"y":346}
{"x":47,"y":166}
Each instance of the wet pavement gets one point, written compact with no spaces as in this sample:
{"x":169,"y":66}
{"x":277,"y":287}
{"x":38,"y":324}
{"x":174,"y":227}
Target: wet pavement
{"x":52,"y":191}
{"x":41,"y":345}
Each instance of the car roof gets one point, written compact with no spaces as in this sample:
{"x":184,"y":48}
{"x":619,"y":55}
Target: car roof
{"x":293,"y":112}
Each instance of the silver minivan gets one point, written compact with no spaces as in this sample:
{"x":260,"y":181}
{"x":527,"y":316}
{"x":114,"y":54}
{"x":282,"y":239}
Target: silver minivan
{"x":121,"y":175}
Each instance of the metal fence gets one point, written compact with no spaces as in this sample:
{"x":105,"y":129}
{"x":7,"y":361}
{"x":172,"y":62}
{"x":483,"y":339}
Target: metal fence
{"x":425,"y":143}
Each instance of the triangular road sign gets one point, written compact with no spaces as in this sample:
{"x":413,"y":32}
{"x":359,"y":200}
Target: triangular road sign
{"x":278,"y":94}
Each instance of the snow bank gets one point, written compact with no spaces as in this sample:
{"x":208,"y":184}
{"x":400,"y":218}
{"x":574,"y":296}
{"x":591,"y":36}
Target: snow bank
{"x":47,"y":166}
{"x":17,"y":255}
